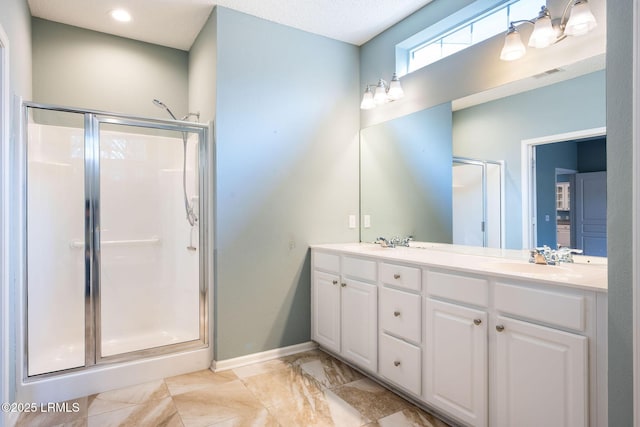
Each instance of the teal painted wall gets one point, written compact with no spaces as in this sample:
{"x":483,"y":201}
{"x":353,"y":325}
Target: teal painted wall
{"x":406,"y":177}
{"x":620,"y":212}
{"x":495,"y":130}
{"x":202,"y":70}
{"x":287,"y":174}
{"x":87,"y":69}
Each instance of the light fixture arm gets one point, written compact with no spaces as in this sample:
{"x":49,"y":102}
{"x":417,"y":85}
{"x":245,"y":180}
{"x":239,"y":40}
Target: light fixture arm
{"x":512,"y":24}
{"x":564,"y":19}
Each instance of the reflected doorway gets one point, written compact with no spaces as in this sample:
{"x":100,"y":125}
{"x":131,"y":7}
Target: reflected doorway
{"x":564,"y":191}
{"x":478,"y":202}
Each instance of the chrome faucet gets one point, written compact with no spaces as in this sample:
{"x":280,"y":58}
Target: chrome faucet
{"x":394,"y":241}
{"x":548,"y":256}
{"x":384,"y":243}
{"x":566,"y":254}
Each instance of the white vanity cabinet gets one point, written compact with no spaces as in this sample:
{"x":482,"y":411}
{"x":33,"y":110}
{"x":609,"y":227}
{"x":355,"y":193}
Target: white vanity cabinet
{"x":345,"y":307}
{"x":456,"y":360}
{"x":541,"y":376}
{"x":542,"y":355}
{"x":482,"y":347}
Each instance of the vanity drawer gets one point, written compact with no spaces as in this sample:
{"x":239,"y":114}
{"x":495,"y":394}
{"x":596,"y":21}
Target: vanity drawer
{"x":326,"y":261}
{"x":400,"y":363}
{"x":359,"y":268}
{"x":401,"y":276}
{"x":400,"y":314}
{"x":456,"y":287}
{"x":557,"y":308}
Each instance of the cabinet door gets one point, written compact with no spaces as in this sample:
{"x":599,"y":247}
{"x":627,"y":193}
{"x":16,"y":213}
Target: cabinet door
{"x":326,"y":310}
{"x":360,"y":323}
{"x":456,"y":360}
{"x":541,"y":376}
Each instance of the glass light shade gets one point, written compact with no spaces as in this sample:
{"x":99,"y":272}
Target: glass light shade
{"x":543,"y":33}
{"x":380,"y":95}
{"x":581,"y":20}
{"x":513,"y":47}
{"x":395,"y":89}
{"x":367,"y":100}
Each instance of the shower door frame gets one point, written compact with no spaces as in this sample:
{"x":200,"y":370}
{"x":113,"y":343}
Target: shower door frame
{"x":92,"y":302}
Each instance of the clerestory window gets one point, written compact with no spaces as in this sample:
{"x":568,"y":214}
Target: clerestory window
{"x":462,"y":30}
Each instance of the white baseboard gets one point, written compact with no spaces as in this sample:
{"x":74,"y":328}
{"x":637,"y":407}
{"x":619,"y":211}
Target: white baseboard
{"x":236,"y":362}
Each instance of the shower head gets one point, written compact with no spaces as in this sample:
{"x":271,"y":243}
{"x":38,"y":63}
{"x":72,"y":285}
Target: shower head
{"x":161,"y":104}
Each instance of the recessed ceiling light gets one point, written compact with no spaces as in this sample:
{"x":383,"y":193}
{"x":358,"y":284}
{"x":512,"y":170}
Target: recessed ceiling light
{"x":121,"y":15}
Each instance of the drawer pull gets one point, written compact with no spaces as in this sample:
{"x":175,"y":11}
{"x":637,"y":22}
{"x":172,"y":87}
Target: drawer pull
{"x":477,"y":321}
{"x":396,"y":313}
{"x":344,"y":285}
{"x":396,"y":363}
{"x":396,"y":276}
{"x":335,"y":282}
{"x":499,"y":328}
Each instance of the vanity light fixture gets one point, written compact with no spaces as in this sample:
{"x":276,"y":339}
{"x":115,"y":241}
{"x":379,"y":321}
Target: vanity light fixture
{"x":545,"y":33}
{"x":381,"y":93}
{"x":120,"y":15}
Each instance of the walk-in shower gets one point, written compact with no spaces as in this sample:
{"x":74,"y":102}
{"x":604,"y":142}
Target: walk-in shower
{"x":116,"y":280}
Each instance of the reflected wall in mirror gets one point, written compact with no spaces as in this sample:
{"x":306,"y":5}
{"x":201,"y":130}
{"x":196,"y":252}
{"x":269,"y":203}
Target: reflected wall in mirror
{"x":492,"y":130}
{"x":495,"y":131}
{"x":405,"y":180}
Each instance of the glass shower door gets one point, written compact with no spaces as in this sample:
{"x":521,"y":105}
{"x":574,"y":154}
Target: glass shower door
{"x":149,"y":245}
{"x":468,"y":204}
{"x":477,"y":202}
{"x":56,"y":273}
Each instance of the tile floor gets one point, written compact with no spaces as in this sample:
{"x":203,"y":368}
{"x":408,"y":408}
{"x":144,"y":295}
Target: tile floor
{"x":303,"y":390}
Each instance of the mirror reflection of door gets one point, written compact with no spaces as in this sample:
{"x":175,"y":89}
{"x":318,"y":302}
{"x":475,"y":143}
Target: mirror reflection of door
{"x":571,"y":195}
{"x":477,"y":202}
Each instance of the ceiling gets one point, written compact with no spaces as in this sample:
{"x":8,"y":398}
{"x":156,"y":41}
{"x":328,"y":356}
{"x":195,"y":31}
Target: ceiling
{"x":176,"y":23}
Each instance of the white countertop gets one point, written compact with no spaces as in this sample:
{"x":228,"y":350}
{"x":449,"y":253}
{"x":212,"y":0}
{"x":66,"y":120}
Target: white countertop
{"x":587,"y":273}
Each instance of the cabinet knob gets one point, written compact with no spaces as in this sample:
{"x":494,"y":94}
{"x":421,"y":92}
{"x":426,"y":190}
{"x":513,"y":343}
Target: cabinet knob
{"x":477,"y":321}
{"x":396,"y":276}
{"x":499,"y":328}
{"x":344,"y":285}
{"x":335,"y":282}
{"x":396,"y":363}
{"x":396,"y":313}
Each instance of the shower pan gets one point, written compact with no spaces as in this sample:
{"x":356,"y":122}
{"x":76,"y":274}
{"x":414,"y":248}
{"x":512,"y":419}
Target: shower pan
{"x":116,"y":284}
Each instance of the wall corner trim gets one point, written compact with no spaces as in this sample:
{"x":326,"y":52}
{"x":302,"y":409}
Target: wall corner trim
{"x":236,"y":362}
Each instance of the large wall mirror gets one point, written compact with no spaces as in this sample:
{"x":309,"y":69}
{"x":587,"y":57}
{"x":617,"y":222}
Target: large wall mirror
{"x":407,"y":178}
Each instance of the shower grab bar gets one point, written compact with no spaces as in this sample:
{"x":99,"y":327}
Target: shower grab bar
{"x":78,"y":244}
